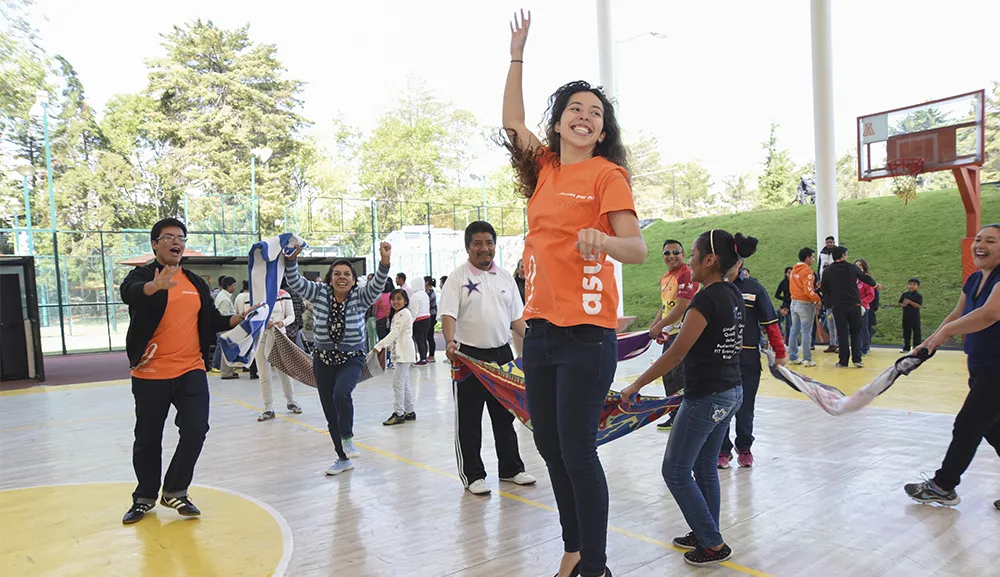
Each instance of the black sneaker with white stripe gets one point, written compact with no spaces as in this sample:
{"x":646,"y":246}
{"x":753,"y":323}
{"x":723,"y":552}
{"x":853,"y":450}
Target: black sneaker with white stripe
{"x":702,"y":556}
{"x":183,"y":505}
{"x":136,"y":513}
{"x":689,"y":542}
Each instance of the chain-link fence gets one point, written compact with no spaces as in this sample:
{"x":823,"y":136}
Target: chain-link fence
{"x":83,"y":312}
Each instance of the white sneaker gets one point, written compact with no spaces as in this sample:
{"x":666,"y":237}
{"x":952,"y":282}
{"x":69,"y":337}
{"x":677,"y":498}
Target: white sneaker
{"x":521,"y":478}
{"x":339,"y":467}
{"x":478,"y":487}
{"x":808,"y":364}
{"x":795,"y":362}
{"x":350,"y":450}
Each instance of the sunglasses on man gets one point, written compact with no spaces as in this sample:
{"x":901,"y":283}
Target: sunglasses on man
{"x":673,"y":252}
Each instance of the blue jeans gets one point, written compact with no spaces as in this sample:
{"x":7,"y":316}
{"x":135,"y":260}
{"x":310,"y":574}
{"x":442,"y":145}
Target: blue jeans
{"x":744,"y":416}
{"x":803,"y":320}
{"x":694,"y":446}
{"x":335,"y":385}
{"x":217,"y":356}
{"x":866,"y":334}
{"x":568,"y":372}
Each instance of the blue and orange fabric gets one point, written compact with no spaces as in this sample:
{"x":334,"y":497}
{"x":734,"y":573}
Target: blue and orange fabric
{"x":506,"y":383}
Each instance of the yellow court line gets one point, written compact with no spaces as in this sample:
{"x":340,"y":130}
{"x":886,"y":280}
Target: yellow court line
{"x":511,"y":496}
{"x":56,"y":388}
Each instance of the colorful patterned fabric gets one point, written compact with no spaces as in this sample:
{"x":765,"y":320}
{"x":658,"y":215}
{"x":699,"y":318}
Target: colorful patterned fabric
{"x":836,"y":402}
{"x":506,"y":383}
{"x":288,"y":358}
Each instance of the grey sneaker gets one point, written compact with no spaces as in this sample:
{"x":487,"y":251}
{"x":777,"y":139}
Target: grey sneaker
{"x":350,"y":450}
{"x":294,"y":407}
{"x":928,"y":492}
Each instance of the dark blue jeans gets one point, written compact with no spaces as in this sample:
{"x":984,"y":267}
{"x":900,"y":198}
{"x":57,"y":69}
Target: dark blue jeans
{"x":189,"y":394}
{"x":335,"y":385}
{"x":744,"y":416}
{"x":568,"y":372}
{"x":694,"y":446}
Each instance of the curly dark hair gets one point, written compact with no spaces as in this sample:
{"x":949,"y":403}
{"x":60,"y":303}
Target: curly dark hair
{"x":526,"y":160}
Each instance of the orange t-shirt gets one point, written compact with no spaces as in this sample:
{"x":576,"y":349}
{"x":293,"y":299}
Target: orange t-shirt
{"x":175,"y":348}
{"x":560,"y":286}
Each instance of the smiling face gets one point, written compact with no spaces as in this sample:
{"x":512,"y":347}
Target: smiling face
{"x":342,"y":278}
{"x":673,"y":255}
{"x":581,"y":125}
{"x":481,"y":250}
{"x":398,"y":302}
{"x":169,"y":248}
{"x":986,"y":248}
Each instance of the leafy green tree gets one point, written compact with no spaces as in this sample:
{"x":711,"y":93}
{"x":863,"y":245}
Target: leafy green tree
{"x":775,"y":185}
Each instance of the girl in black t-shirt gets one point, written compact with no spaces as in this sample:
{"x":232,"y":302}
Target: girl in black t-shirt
{"x":709,"y":345}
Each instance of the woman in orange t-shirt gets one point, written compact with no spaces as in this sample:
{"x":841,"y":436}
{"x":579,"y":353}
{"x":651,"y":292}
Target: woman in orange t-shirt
{"x":580,"y":213}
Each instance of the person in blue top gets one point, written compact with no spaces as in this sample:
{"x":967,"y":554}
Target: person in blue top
{"x":977,"y":316}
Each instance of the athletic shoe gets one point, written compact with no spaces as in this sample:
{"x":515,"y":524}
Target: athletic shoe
{"x":521,"y":478}
{"x":744,"y":457}
{"x":808,"y":364}
{"x":183,"y":505}
{"x":431,"y":359}
{"x":339,"y":467}
{"x":859,"y":365}
{"x":478,"y":487}
{"x":689,"y":542}
{"x":295,"y":408}
{"x":230,"y":377}
{"x":724,"y":459}
{"x":411,"y":416}
{"x":842,"y":366}
{"x":928,"y":492}
{"x":830,"y":349}
{"x":138,"y":510}
{"x":394,"y":419}
{"x":422,"y":363}
{"x":266,"y":416}
{"x":904,"y":351}
{"x":795,"y":362}
{"x":702,"y":556}
{"x":350,"y":449}
{"x":667,"y":424}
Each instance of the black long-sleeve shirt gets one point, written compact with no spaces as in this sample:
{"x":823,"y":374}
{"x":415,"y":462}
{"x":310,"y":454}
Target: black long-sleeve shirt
{"x":783,"y":294}
{"x":840,"y":284}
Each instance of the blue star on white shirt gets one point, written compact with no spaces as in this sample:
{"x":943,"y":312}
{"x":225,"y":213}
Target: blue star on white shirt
{"x":473,"y":287}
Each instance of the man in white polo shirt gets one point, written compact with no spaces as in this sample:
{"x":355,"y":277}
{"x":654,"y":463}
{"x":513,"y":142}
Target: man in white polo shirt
{"x":479,"y":307}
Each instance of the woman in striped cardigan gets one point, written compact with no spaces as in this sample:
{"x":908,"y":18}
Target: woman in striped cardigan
{"x":339,"y":337}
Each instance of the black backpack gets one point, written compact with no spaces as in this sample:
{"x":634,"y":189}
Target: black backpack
{"x":875,"y":304}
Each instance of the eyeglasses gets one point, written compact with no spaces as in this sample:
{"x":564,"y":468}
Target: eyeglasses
{"x":172,"y":238}
{"x":673,"y":252}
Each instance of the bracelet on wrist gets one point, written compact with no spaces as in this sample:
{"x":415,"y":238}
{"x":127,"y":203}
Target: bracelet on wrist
{"x":518,"y":60}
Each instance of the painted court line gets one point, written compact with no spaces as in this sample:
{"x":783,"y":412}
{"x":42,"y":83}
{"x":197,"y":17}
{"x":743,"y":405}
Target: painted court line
{"x":511,"y":496}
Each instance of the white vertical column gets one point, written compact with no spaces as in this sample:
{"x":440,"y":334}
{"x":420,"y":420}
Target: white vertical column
{"x":606,"y":60}
{"x":826,"y":154}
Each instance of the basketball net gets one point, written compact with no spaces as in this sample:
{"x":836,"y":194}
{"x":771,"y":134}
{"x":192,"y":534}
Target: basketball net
{"x":904,"y":173}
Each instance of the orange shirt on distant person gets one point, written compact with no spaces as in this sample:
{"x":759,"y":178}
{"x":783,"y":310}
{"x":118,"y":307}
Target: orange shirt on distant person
{"x":560,"y":286}
{"x":175,"y":347}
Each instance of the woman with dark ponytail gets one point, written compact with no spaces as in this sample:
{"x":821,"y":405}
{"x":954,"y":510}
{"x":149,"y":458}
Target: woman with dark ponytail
{"x":709,"y":345}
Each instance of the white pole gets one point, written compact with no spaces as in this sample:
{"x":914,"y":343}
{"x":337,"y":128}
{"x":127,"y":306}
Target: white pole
{"x":826,"y":156}
{"x":606,"y":55}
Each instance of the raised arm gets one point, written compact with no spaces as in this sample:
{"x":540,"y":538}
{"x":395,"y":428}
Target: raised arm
{"x":373,"y":289}
{"x":307,"y":289}
{"x":513,"y":98}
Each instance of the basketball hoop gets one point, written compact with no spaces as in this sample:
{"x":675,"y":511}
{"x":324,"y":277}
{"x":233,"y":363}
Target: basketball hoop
{"x":904,"y":173}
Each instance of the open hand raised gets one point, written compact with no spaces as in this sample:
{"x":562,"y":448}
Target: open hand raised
{"x":519,"y":34}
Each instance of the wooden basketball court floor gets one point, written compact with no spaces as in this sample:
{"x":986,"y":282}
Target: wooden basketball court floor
{"x":825,"y":498}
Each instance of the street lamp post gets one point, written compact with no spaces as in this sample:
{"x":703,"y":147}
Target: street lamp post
{"x":26,"y":171}
{"x":482,"y":178}
{"x":264,"y":154}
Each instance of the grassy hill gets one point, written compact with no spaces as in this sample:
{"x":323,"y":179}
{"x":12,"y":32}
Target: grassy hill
{"x":921,"y":239}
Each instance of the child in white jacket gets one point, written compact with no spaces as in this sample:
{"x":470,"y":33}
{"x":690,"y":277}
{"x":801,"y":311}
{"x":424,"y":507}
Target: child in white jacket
{"x":282,"y":316}
{"x":400,"y":338}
